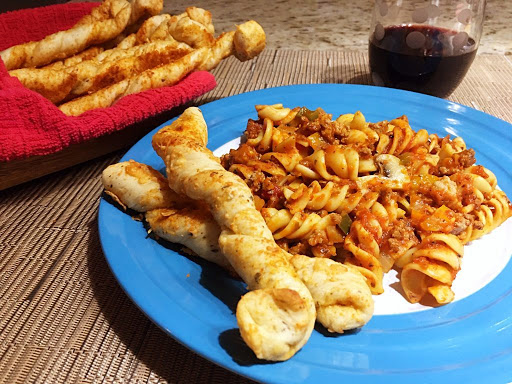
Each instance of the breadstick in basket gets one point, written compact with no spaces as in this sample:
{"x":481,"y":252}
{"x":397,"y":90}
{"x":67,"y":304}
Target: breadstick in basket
{"x":144,"y":8}
{"x":102,"y":71}
{"x":60,"y":45}
{"x":186,"y":30}
{"x":162,"y":76}
{"x":88,"y":54}
{"x":243,"y":45}
{"x":143,"y":34}
{"x":169,"y":74}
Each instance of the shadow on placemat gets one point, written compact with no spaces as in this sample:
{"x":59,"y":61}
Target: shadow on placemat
{"x":149,"y":345}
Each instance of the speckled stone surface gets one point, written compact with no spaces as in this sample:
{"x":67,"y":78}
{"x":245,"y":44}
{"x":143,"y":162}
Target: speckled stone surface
{"x":330,"y":24}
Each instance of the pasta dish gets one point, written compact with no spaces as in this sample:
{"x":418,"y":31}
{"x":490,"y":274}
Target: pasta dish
{"x":311,"y":212}
{"x":373,"y":196}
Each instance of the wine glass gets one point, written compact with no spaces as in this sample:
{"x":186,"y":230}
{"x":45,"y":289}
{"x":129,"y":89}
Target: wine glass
{"x":425,"y":46}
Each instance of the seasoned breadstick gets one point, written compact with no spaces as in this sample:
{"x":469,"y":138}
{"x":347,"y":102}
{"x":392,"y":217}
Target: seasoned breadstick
{"x":118,"y":53}
{"x":144,"y":8}
{"x":53,"y":84}
{"x":156,"y":27}
{"x":192,"y":227}
{"x":250,"y":40}
{"x":113,"y":16}
{"x":139,"y":187}
{"x":162,"y":76}
{"x":277,"y":316}
{"x":186,"y":30}
{"x":143,"y":34}
{"x":92,"y":75}
{"x":342,"y":297}
{"x":202,"y":16}
{"x":88,"y":54}
{"x":249,"y":45}
{"x":222,"y":48}
{"x":172,"y":217}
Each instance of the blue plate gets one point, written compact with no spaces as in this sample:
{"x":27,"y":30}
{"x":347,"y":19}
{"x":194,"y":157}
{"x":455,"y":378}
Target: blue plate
{"x":467,"y":340}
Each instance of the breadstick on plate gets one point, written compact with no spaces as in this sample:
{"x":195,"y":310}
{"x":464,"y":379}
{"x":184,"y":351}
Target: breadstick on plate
{"x":66,"y":43}
{"x":192,"y":227}
{"x":172,"y":217}
{"x":342,"y":297}
{"x":162,"y":76}
{"x":277,"y":316}
{"x":140,"y":187}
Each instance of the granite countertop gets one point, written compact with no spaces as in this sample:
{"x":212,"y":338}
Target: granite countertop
{"x":330,"y":24}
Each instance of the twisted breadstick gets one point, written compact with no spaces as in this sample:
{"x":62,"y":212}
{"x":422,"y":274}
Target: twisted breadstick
{"x":100,"y":53}
{"x":144,"y":33}
{"x":246,"y":42}
{"x":157,"y":28}
{"x":342,"y":297}
{"x":186,"y":30}
{"x":144,"y":8}
{"x":277,"y":317}
{"x":202,"y":16}
{"x":172,"y":217}
{"x":162,"y":76}
{"x":101,"y":71}
{"x":104,"y":23}
{"x":139,"y":187}
{"x":204,"y":58}
{"x":88,"y":54}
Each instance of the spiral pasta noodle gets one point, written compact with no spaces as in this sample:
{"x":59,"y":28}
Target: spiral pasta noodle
{"x":432,"y":267}
{"x":362,"y":243}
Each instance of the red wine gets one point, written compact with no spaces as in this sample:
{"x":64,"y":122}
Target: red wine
{"x":420,"y":58}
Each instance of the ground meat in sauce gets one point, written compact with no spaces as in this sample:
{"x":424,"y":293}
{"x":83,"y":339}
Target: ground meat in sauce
{"x":272,"y":193}
{"x":240,"y":155}
{"x":444,"y":191}
{"x":401,"y":238}
{"x":465,"y":189}
{"x":299,"y":249}
{"x":331,"y":131}
{"x":364,"y":152}
{"x":462,"y":222}
{"x":255,"y":181}
{"x":253,"y":129}
{"x":457,"y":162}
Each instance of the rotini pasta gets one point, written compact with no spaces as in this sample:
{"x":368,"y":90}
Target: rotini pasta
{"x":374,"y":196}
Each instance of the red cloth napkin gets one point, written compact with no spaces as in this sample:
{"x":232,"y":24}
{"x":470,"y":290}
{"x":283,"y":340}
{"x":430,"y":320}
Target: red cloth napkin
{"x":31,"y":125}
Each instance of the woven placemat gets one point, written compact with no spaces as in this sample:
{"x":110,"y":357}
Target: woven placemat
{"x":64,"y":318}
